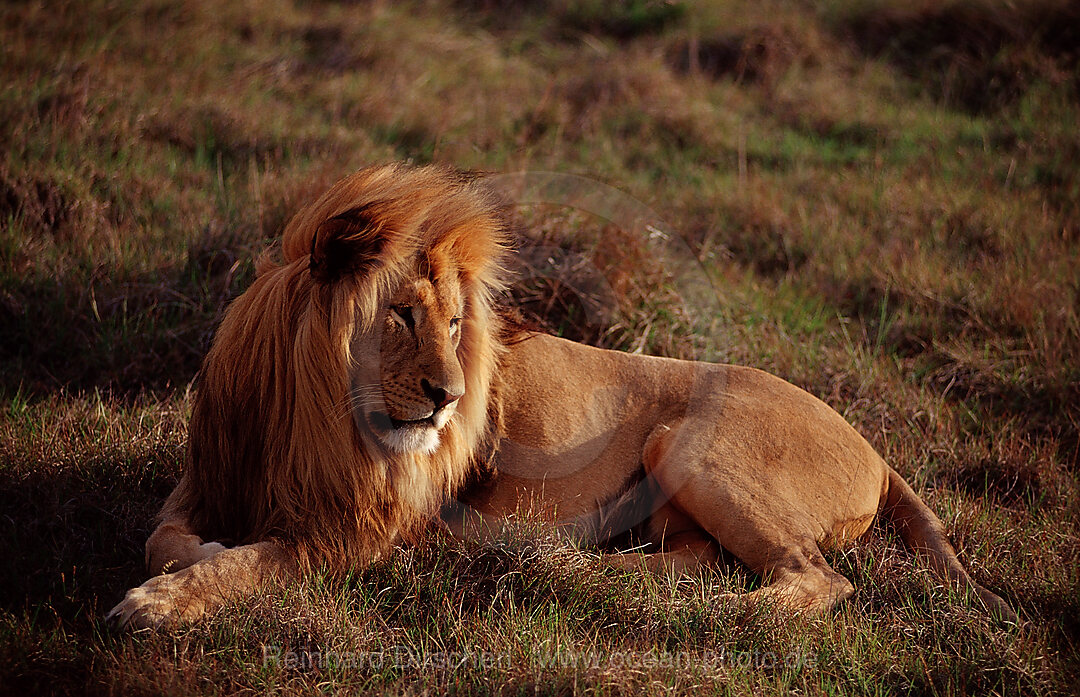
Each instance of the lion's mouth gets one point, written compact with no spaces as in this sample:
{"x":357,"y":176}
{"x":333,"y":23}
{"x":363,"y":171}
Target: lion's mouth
{"x":428,"y":420}
{"x":385,"y":422}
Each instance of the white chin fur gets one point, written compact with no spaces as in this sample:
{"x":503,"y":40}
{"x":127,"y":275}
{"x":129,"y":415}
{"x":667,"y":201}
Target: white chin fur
{"x":411,"y":439}
{"x":424,"y":439}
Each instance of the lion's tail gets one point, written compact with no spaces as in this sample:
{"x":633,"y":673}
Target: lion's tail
{"x":924,"y":532}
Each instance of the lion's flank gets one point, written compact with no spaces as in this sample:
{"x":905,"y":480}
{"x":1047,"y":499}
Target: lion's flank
{"x":274,"y":450}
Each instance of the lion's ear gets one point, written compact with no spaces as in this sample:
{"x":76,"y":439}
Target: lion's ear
{"x":350,"y":243}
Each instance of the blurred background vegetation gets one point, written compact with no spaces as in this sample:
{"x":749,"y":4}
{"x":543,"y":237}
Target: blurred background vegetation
{"x":885,"y":194}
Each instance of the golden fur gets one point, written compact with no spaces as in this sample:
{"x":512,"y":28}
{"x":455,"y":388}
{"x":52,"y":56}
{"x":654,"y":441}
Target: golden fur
{"x":361,"y":381}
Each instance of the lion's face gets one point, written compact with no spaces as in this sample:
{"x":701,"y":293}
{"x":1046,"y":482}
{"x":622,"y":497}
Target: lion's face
{"x":412,"y":392}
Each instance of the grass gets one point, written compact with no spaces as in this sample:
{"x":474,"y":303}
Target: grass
{"x":882,"y":198}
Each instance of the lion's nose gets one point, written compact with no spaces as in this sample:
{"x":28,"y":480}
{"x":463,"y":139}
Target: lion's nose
{"x":439,"y":395}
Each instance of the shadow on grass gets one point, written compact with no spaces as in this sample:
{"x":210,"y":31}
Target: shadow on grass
{"x":73,"y":537}
{"x":974,"y":55}
{"x":148,"y":330}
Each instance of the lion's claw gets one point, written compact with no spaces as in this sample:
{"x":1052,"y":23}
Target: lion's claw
{"x":130,"y":613}
{"x":153,"y":605}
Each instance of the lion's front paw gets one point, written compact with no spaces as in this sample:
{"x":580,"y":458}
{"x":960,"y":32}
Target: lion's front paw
{"x":159,"y":603}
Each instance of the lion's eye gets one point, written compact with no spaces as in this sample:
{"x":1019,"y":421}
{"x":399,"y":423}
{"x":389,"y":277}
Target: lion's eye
{"x":403,"y":315}
{"x":455,"y":324}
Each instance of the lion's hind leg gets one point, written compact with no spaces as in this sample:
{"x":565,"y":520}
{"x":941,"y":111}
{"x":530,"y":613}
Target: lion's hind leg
{"x":799,"y":579}
{"x":680,"y":554}
{"x":771,"y":537}
{"x":794,"y":573}
{"x":683,"y":547}
{"x":796,"y":576}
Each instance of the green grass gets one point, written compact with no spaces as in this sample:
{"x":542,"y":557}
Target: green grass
{"x":882,"y":196}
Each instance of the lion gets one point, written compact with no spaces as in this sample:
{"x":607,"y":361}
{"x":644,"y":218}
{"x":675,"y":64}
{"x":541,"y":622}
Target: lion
{"x":368,"y":385}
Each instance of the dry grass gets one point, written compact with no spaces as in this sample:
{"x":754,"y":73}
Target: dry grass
{"x":881,"y":196}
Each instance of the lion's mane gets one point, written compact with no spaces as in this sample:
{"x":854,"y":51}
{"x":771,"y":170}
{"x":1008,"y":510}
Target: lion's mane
{"x":274,"y":450}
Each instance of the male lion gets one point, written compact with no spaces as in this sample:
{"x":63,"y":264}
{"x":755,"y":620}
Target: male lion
{"x":366,"y":380}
